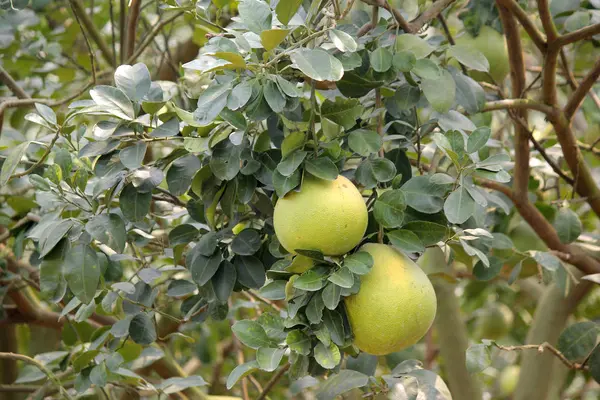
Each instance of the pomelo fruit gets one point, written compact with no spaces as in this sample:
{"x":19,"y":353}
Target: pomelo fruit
{"x":327,"y":216}
{"x":491,"y":44}
{"x":494,"y":322}
{"x":508,"y":379}
{"x":395,"y":305}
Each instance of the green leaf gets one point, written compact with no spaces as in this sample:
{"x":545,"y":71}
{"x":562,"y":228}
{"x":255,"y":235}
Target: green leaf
{"x":12,"y":162}
{"x":202,"y":268}
{"x":256,"y":15}
{"x":578,"y":340}
{"x":241,"y":371}
{"x":167,"y":129}
{"x":407,"y":96}
{"x":246,"y":243}
{"x":547,"y":260}
{"x":133,"y":204}
{"x":292,"y":142}
{"x":133,"y":156}
{"x":286,"y":87}
{"x":477,"y":139}
{"x":286,"y":9}
{"x":342,"y":277}
{"x":328,"y":357}
{"x":272,"y":38}
{"x":404,"y":61}
{"x":459,"y":206}
{"x":428,"y":232}
{"x":478,"y":358}
{"x":414,"y":44}
{"x":594,"y":364}
{"x":290,"y":164}
{"x":211,"y":102}
{"x":331,"y":296}
{"x":423,"y":195}
{"x":342,"y":41}
{"x":99,"y":375}
{"x":469,"y":93}
{"x":310,"y":281}
{"x":318,"y":64}
{"x":275,"y":99}
{"x":46,"y":112}
{"x":240,"y":95}
{"x":284,"y":184}
{"x":273,"y":290}
{"x":381,"y":59}
{"x":225,"y":160}
{"x":567,"y":224}
{"x":374,"y":170}
{"x":389,"y":208}
{"x":53,"y":234}
{"x":180,"y":287}
{"x":440,"y":92}
{"x":223,"y":281}
{"x":470,"y":57}
{"x":182,"y":234}
{"x":364,"y":142}
{"x":314,"y":309}
{"x":299,"y":342}
{"x":359,"y":263}
{"x":340,"y":383}
{"x":52,"y":283}
{"x":108,"y":229}
{"x":114,"y":100}
{"x":176,"y":384}
{"x":483,"y":273}
{"x":322,"y":167}
{"x":427,"y":69}
{"x":251,"y":334}
{"x":82,"y":272}
{"x":268,"y":359}
{"x":134,"y":80}
{"x":142,"y":329}
{"x":250,"y":271}
{"x":406,"y":240}
{"x":342,"y":111}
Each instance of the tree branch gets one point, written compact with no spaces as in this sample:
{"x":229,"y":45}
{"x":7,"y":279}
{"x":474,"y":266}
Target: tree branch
{"x":12,"y":84}
{"x":429,"y":14}
{"x":517,"y":104}
{"x":273,"y":381}
{"x":134,"y":13}
{"x":150,"y":37}
{"x":578,"y":35}
{"x":547,"y":22}
{"x":517,"y":73}
{"x":540,"y":348}
{"x":536,"y":36}
{"x":544,"y":229}
{"x":579,"y":94}
{"x":87,"y":22}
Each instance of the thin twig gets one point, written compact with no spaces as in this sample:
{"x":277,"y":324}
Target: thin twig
{"x":87,"y":22}
{"x":547,"y":21}
{"x":151,"y":35}
{"x":579,"y":34}
{"x":273,"y":381}
{"x":12,"y":84}
{"x":134,"y":13}
{"x":541,"y":348}
{"x":579,"y":94}
{"x":451,"y":40}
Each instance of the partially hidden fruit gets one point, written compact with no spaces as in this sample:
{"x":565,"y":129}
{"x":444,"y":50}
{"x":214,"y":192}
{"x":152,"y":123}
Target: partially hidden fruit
{"x":494,"y":322}
{"x":491,"y":43}
{"x":327,"y":216}
{"x":395,"y":305}
{"x":508,"y":379}
{"x":524,"y":238}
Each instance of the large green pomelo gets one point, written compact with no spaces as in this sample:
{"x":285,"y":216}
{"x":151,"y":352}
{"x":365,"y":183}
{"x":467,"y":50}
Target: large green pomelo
{"x":395,"y":305}
{"x":328,"y":216}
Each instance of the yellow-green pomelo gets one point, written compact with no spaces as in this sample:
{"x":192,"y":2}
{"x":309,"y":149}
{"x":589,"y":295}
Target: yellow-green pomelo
{"x":508,"y":379}
{"x":494,"y":322}
{"x":395,"y":305}
{"x":491,"y":43}
{"x":328,"y":216}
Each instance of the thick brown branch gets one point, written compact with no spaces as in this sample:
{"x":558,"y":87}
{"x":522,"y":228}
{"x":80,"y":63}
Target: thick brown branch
{"x":517,"y":104}
{"x":536,"y":36}
{"x":429,"y":14}
{"x":547,"y":22}
{"x":578,"y":35}
{"x":395,"y":13}
{"x":150,"y":37}
{"x":579,"y":94}
{"x":12,"y":84}
{"x":517,"y":74}
{"x":545,"y":230}
{"x":134,"y":13}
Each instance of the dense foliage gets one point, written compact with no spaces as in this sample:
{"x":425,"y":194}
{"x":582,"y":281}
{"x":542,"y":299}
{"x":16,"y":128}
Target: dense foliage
{"x":144,"y":147}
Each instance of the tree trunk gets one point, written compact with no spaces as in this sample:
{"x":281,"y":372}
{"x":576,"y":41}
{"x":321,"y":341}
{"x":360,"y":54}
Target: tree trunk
{"x":453,"y":340}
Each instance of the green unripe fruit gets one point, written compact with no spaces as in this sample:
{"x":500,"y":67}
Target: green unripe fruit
{"x":494,"y":322}
{"x":395,"y":305}
{"x":508,"y":379}
{"x":492,"y":45}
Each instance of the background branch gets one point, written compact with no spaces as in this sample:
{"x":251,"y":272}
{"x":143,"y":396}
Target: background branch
{"x":579,"y":94}
{"x":12,"y":84}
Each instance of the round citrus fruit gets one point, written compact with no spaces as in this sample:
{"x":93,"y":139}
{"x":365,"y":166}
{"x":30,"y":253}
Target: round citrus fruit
{"x":494,"y":322}
{"x":491,"y":44}
{"x":327,"y":216}
{"x":395,"y":305}
{"x":508,"y":379}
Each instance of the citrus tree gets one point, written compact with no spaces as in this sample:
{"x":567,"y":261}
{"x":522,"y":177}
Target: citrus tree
{"x":299,"y":199}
